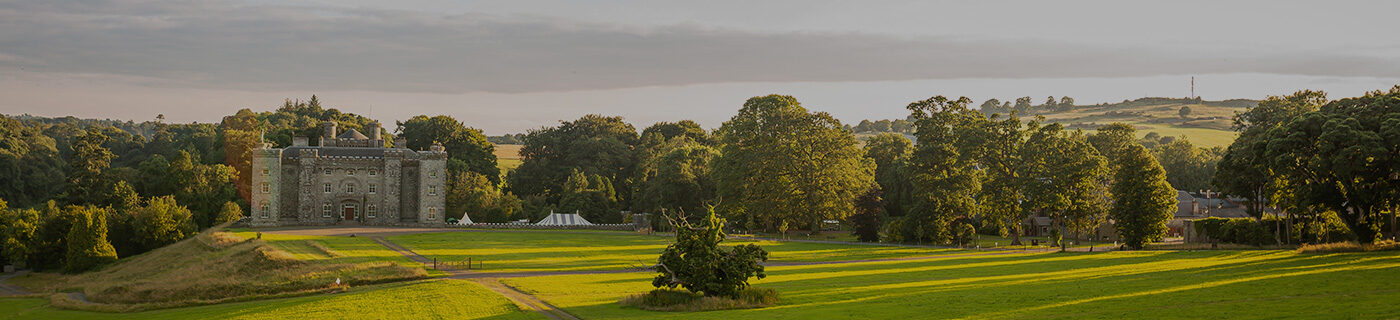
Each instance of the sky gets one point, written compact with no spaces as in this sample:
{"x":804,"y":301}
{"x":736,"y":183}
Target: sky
{"x":507,"y":66}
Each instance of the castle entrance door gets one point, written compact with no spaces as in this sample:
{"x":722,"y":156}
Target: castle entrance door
{"x":349,"y":211}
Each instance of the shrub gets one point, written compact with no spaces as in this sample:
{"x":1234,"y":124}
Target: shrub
{"x":231,"y":212}
{"x":678,"y":300}
{"x":697,"y":263}
{"x":1336,"y":247}
{"x":162,"y":222}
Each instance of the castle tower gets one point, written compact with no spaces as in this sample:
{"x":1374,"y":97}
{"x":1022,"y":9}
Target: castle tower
{"x":267,"y":185}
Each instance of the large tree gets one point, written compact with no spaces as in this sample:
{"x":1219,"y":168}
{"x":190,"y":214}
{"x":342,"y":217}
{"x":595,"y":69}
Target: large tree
{"x":891,"y":152}
{"x":676,"y":180}
{"x":946,"y":181}
{"x":87,"y":246}
{"x":1245,"y":169}
{"x":1143,"y":201}
{"x":1065,"y":178}
{"x":467,"y":148}
{"x":1340,"y":158}
{"x":781,"y":164}
{"x":86,"y":183}
{"x":30,"y":163}
{"x":1188,"y":167}
{"x":996,"y":143}
{"x":593,"y":145}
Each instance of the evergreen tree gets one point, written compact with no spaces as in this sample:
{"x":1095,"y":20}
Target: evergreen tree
{"x":1143,"y":201}
{"x":87,"y":241}
{"x":867,"y":217}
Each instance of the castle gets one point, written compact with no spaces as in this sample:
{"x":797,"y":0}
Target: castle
{"x":348,"y":178}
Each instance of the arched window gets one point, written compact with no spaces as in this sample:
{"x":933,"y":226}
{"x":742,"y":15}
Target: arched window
{"x":371,"y":211}
{"x":432,"y":213}
{"x":264,"y":209}
{"x":326,"y":210}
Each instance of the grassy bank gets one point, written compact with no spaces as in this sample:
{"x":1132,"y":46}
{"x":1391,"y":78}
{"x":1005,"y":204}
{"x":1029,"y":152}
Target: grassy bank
{"x":441,"y":299}
{"x":217,"y":267}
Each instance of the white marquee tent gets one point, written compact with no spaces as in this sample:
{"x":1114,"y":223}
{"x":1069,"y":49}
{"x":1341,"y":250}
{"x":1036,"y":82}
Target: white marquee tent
{"x":563,"y":219}
{"x":465,"y":220}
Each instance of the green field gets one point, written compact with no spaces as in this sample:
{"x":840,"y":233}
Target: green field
{"x":340,"y":249}
{"x":559,"y":251}
{"x":1155,"y":284}
{"x":441,"y":299}
{"x":957,"y":284}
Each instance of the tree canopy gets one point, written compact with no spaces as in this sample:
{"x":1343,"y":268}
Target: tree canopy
{"x":780,"y":164}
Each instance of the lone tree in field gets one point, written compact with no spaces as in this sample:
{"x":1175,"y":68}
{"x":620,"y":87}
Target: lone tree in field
{"x":1143,"y":201}
{"x":697,"y":263}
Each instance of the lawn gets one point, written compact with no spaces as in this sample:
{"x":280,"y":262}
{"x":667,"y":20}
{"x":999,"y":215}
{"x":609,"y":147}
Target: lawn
{"x":1155,"y":284}
{"x":555,"y":251}
{"x":329,"y":249}
{"x":443,"y":299}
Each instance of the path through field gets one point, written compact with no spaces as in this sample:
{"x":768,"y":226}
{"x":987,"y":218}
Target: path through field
{"x":9,"y":290}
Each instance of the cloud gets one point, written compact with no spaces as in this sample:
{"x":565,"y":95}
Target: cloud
{"x":207,"y":44}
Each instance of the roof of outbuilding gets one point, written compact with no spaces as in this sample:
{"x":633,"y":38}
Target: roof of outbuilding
{"x":352,"y":134}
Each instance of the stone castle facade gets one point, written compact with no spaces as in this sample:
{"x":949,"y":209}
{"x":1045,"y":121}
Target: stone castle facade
{"x":348,"y":177}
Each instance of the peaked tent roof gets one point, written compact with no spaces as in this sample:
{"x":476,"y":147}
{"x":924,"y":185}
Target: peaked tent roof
{"x":465,"y":220}
{"x":353,"y":134}
{"x":563,"y":219}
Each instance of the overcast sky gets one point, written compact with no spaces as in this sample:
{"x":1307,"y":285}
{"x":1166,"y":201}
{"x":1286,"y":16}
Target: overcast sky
{"x":507,"y":66}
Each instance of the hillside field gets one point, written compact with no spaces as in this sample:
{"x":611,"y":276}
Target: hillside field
{"x":507,"y":156}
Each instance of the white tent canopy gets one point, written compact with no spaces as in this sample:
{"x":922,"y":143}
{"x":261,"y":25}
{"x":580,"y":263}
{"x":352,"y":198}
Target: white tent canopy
{"x":465,"y":220}
{"x":563,"y":219}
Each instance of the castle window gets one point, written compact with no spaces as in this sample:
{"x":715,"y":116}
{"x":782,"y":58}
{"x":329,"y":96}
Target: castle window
{"x":264,"y":209}
{"x":265,"y":172}
{"x":265,"y":188}
{"x":326,"y":188}
{"x":350,"y":172}
{"x":350,"y":188}
{"x":326,"y":210}
{"x":372,"y":188}
{"x":432,"y":213}
{"x":328,"y":171}
{"x":371,"y":211}
{"x":432,"y":174}
{"x":373,"y":172}
{"x":432,"y":190}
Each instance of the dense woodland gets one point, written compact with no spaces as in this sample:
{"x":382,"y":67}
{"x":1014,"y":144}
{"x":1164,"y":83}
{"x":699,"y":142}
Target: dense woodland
{"x":82,"y":193}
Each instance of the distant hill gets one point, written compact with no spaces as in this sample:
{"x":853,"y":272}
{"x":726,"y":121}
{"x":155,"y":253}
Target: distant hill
{"x":1207,"y":124}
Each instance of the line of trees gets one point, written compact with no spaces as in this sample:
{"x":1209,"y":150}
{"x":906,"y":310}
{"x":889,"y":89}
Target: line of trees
{"x":1308,"y":158}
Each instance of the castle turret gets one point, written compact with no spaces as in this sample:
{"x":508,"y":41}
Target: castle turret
{"x":330,"y":130}
{"x":373,"y":130}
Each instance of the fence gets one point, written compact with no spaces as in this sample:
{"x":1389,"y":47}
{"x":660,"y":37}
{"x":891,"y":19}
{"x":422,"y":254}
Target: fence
{"x":612,"y":227}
